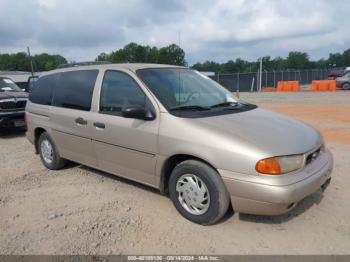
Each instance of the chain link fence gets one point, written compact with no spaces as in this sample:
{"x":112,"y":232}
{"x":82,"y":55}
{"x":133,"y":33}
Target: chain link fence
{"x":249,"y":82}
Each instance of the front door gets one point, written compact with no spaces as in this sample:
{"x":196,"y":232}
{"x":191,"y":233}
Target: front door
{"x":124,"y":146}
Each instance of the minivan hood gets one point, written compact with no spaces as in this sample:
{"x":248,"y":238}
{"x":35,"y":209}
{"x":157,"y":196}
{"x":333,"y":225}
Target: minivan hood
{"x":271,"y":132}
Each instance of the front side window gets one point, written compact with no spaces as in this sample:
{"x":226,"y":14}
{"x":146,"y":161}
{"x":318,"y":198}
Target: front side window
{"x":118,"y":91}
{"x":74,"y":89}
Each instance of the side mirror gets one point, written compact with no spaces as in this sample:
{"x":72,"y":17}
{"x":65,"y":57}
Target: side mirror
{"x":138,"y":112}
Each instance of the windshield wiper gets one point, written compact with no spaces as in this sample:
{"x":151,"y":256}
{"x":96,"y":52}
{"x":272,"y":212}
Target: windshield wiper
{"x":225,"y":104}
{"x":199,"y":108}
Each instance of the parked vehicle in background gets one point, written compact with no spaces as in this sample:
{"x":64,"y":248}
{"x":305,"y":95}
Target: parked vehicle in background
{"x":177,"y":130}
{"x":344,"y":81}
{"x":337,"y":72}
{"x":12,"y":104}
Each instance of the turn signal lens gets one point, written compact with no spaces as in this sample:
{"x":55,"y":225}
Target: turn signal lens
{"x":269,"y":166}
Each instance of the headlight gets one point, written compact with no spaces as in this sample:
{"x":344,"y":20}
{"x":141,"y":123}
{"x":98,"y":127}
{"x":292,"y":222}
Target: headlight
{"x":279,"y":164}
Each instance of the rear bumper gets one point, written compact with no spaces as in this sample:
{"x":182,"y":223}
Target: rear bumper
{"x":269,"y":198}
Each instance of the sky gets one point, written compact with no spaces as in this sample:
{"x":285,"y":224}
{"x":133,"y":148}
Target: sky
{"x":217,"y":30}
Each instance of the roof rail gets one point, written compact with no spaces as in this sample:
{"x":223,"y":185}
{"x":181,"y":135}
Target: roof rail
{"x":83,"y":64}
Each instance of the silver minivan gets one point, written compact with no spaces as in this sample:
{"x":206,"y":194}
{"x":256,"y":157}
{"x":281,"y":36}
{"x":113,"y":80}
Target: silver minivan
{"x":177,"y":130}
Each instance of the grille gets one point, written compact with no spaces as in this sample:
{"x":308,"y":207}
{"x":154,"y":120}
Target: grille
{"x":312,"y":156}
{"x":11,"y":105}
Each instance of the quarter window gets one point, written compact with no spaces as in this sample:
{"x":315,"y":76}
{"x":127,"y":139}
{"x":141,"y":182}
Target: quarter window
{"x":74,"y":89}
{"x":42,"y":92}
{"x":119,"y":91}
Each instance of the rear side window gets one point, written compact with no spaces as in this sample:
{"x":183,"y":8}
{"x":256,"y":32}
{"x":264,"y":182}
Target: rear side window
{"x":74,"y":89}
{"x":42,"y":92}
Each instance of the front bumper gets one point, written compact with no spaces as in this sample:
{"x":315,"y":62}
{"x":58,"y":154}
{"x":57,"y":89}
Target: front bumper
{"x":10,"y":119}
{"x":279,"y":194}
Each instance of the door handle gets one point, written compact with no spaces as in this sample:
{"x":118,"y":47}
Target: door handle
{"x":81,"y":121}
{"x":99,"y":125}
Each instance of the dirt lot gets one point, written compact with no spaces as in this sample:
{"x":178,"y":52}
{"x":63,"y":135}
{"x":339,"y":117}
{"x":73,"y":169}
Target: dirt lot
{"x":84,"y":211}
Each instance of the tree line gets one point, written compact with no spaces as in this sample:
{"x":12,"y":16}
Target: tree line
{"x":134,"y":53}
{"x":295,"y":61}
{"x":21,"y":62}
{"x":175,"y":55}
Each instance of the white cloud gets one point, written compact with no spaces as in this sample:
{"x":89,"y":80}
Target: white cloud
{"x":216,"y":30}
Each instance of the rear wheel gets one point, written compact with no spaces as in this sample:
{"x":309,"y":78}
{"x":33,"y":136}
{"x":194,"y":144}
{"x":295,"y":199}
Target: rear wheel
{"x":198,"y":192}
{"x":49,"y":154}
{"x":346,"y":86}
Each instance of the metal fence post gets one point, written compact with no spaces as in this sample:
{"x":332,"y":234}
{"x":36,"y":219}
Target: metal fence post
{"x":238,"y":81}
{"x":252,"y":86}
{"x":260,"y":76}
{"x":282,"y":74}
{"x":288,"y":74}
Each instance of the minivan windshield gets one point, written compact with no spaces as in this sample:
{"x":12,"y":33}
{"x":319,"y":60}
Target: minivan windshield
{"x":7,"y":85}
{"x":185,"y":89}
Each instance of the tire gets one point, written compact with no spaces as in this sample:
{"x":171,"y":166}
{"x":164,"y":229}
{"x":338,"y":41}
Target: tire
{"x":346,"y":86}
{"x":54,"y":162}
{"x":213,"y":205}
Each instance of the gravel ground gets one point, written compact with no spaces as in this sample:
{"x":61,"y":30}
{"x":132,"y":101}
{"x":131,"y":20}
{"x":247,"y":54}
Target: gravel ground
{"x":79,"y":210}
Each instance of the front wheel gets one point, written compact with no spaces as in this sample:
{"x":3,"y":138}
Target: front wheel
{"x":198,"y":192}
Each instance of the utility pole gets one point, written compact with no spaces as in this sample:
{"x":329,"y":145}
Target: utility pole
{"x":31,"y":62}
